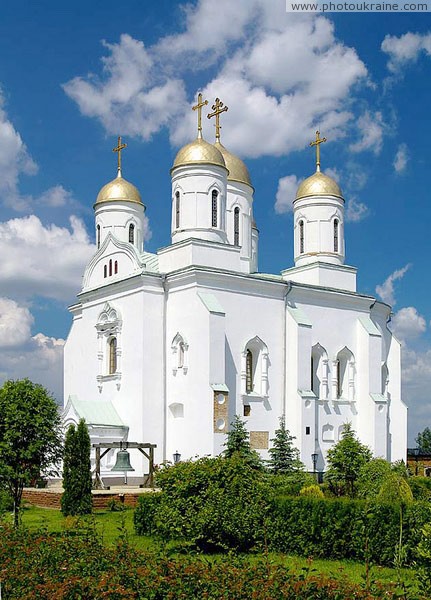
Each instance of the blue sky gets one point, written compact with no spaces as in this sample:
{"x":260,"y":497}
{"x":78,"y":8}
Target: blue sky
{"x":74,"y":77}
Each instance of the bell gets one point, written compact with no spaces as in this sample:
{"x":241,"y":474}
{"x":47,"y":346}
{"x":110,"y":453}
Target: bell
{"x":123,"y":462}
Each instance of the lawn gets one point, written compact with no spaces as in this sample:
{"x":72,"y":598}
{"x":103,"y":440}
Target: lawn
{"x":111,"y":524}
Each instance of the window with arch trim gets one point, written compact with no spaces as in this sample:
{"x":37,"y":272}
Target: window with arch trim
{"x":177,"y":210}
{"x":131,"y":233}
{"x":301,"y":236}
{"x":180,"y":350}
{"x":236,"y":226}
{"x":344,"y":375}
{"x":108,"y":327}
{"x":336,"y":224}
{"x":214,"y":208}
{"x":254,"y":368}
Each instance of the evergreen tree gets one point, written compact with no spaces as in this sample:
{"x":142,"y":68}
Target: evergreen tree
{"x":238,"y":442}
{"x":345,"y":460}
{"x":76,"y":499}
{"x":423,"y":440}
{"x":284,"y":456}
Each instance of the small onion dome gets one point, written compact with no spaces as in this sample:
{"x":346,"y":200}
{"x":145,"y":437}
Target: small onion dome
{"x":199,"y":152}
{"x":119,"y":189}
{"x":237,"y":169}
{"x":318,"y":184}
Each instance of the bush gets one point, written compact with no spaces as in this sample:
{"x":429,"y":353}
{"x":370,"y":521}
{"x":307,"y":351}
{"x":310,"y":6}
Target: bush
{"x":289,"y":484}
{"x":144,"y":517}
{"x":215,"y":503}
{"x":74,"y":564}
{"x":77,"y":498}
{"x":6,"y":501}
{"x":421,"y":487}
{"x":371,"y":477}
{"x":345,"y":529}
{"x":311,"y":491}
{"x":395,"y":489}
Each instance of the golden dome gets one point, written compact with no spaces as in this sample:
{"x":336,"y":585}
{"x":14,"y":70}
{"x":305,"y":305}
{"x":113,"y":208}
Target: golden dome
{"x":197,"y":152}
{"x":119,"y":189}
{"x":318,"y":184}
{"x":237,"y":169}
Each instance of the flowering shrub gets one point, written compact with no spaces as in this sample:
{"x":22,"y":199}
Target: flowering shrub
{"x":75,"y":565}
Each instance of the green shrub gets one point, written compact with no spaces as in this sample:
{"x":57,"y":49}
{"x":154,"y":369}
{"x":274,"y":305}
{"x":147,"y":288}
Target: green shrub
{"x":344,"y":529}
{"x":421,"y":487}
{"x":76,"y":498}
{"x":311,"y":491}
{"x":6,"y":501}
{"x":395,"y":489}
{"x":289,"y":484}
{"x":144,"y":517}
{"x":371,"y":476}
{"x":215,"y":503}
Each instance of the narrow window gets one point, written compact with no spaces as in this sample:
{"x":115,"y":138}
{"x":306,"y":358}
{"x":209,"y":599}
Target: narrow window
{"x":249,"y":372}
{"x":180,"y":355}
{"x":214,"y":220}
{"x":105,"y":271}
{"x":110,"y":268}
{"x":116,"y":267}
{"x":301,"y":237}
{"x":312,"y":374}
{"x":336,"y":235}
{"x":112,"y":356}
{"x":339,"y":382}
{"x":236,"y":226}
{"x":98,"y":236}
{"x":247,"y":410}
{"x":307,"y":431}
{"x":131,"y":233}
{"x":177,"y":210}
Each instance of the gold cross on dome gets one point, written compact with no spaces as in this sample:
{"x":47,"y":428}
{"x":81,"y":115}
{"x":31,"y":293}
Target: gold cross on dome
{"x":199,"y":107}
{"x":218,"y":107}
{"x":118,"y":149}
{"x":317,"y":143}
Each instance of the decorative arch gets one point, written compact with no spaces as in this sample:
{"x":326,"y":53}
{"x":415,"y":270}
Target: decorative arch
{"x":385,"y":379}
{"x":319,"y":371}
{"x":344,"y":375}
{"x":180,"y":351}
{"x":328,"y":433}
{"x":254,"y":368}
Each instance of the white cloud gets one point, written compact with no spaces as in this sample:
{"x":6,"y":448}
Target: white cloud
{"x":386,"y":290}
{"x":133,"y":97}
{"x":43,"y":260}
{"x":56,"y":197}
{"x":15,"y":323}
{"x":14,"y":162}
{"x":371,"y":128}
{"x":405,"y":48}
{"x":401,"y":158}
{"x":272,"y":70}
{"x":286,"y":192}
{"x":356,"y":211}
{"x":407,"y":323}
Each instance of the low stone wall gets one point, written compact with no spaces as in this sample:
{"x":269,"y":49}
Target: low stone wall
{"x":46,"y":498}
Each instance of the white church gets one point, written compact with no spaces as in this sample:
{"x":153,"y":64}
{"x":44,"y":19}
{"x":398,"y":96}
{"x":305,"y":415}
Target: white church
{"x":166,"y":348}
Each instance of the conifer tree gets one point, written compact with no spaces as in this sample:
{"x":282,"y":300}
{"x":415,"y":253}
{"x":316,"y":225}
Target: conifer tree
{"x":76,"y":499}
{"x":284,"y":455}
{"x":238,"y":442}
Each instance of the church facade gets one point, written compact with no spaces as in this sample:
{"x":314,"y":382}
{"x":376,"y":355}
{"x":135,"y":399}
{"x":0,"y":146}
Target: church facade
{"x":167,"y":348}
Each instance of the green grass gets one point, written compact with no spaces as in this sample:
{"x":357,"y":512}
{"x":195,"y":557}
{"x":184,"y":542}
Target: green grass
{"x":109,"y":525}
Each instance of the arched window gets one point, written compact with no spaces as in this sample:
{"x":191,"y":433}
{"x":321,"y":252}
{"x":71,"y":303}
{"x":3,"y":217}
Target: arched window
{"x":181,"y":355}
{"x":112,"y":356}
{"x":214,"y":215}
{"x":319,"y":372}
{"x":345,"y":375}
{"x":98,"y":236}
{"x":110,"y":267}
{"x":236,"y":226}
{"x":131,"y":233}
{"x":301,"y":237}
{"x":105,"y":271}
{"x":254,"y":368}
{"x":335,"y":235}
{"x":249,"y":372}
{"x":177,"y":210}
{"x":116,"y":267}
